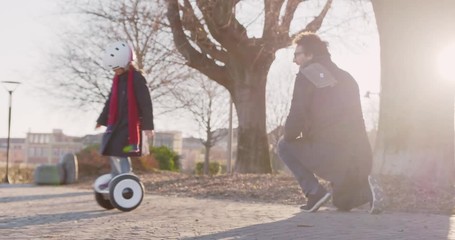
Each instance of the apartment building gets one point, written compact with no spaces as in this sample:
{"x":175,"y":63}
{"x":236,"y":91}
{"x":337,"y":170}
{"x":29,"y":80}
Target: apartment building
{"x":170,"y":139}
{"x":39,"y":148}
{"x":16,"y":150}
{"x":50,"y":147}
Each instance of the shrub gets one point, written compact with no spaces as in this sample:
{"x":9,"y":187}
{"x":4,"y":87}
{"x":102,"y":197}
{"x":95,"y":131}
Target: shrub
{"x":91,"y":162}
{"x":18,"y":174}
{"x":214,"y":168}
{"x":144,"y":164}
{"x":167,"y":159}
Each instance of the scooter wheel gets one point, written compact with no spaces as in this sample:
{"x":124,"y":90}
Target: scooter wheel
{"x":126,"y":192}
{"x":105,"y":203}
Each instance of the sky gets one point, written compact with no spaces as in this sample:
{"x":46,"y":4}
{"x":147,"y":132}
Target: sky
{"x":26,"y":38}
{"x":28,"y":30}
{"x":28,"y":34}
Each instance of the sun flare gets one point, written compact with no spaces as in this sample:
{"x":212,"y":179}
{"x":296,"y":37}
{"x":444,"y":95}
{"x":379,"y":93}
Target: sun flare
{"x":446,"y":62}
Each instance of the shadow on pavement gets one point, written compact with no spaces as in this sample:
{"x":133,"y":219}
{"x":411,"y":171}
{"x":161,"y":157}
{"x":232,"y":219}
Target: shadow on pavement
{"x":41,"y":197}
{"x":42,"y":219}
{"x":342,"y":225}
{"x":16,"y":185}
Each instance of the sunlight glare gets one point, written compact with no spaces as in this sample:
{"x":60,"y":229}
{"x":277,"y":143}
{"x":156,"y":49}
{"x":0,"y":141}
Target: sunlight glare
{"x":446,"y":62}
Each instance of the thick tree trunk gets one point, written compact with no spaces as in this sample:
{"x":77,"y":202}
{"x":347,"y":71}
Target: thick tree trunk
{"x":416,"y":123}
{"x":219,"y":47}
{"x":252,"y":145}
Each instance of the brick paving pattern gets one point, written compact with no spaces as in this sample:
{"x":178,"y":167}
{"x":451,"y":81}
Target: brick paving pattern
{"x":63,"y":212}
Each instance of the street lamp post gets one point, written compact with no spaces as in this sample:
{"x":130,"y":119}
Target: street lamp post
{"x":229,"y":157}
{"x":10,"y":86}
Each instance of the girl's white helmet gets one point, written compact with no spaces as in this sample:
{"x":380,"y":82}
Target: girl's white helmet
{"x":117,"y":55}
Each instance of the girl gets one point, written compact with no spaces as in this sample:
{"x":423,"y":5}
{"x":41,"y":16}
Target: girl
{"x":128,"y":111}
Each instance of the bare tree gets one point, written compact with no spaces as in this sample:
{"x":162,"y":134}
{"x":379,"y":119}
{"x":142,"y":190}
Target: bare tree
{"x":416,"y":122}
{"x":78,"y":74}
{"x":207,"y":102}
{"x":279,"y":92}
{"x":213,"y":41}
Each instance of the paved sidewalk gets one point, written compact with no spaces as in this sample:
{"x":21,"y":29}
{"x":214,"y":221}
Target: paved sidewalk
{"x":62,"y":212}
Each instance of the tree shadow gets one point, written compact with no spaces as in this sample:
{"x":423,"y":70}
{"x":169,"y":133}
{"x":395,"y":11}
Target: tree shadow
{"x":344,"y":225}
{"x":40,"y":219}
{"x":13,"y":222}
{"x":39,"y":197}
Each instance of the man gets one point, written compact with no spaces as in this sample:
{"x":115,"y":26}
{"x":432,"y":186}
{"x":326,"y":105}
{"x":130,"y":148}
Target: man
{"x":325,"y":132}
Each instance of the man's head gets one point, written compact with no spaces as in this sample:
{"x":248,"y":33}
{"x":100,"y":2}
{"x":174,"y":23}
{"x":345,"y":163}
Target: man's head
{"x":117,"y":57}
{"x":309,"y":45}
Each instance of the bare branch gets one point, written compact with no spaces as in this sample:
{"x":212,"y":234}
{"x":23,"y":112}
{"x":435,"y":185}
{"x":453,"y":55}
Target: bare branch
{"x":291,"y":6}
{"x":220,"y":18}
{"x":314,"y":25}
{"x":194,"y":58}
{"x":199,"y":35}
{"x":271,"y":22}
{"x":137,"y":21}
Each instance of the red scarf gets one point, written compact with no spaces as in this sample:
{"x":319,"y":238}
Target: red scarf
{"x":133,"y":116}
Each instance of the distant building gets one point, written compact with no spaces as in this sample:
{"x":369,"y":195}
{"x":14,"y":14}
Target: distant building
{"x":170,"y":139}
{"x":16,"y":150}
{"x":219,"y":152}
{"x":223,"y":143}
{"x":50,"y":147}
{"x":39,"y":148}
{"x":192,"y":152}
{"x":91,"y":139}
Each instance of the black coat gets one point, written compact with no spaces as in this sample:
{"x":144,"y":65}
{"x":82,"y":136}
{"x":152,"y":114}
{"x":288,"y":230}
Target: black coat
{"x":327,"y":114}
{"x":115,"y":142}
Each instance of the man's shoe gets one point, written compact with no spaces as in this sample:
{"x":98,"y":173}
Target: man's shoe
{"x":377,"y":204}
{"x":315,"y":201}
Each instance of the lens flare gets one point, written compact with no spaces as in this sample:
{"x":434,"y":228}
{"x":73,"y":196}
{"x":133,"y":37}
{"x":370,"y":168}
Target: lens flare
{"x":446,"y":62}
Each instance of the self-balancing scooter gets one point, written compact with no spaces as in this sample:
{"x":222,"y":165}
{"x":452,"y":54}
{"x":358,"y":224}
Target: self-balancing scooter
{"x":124,"y":191}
